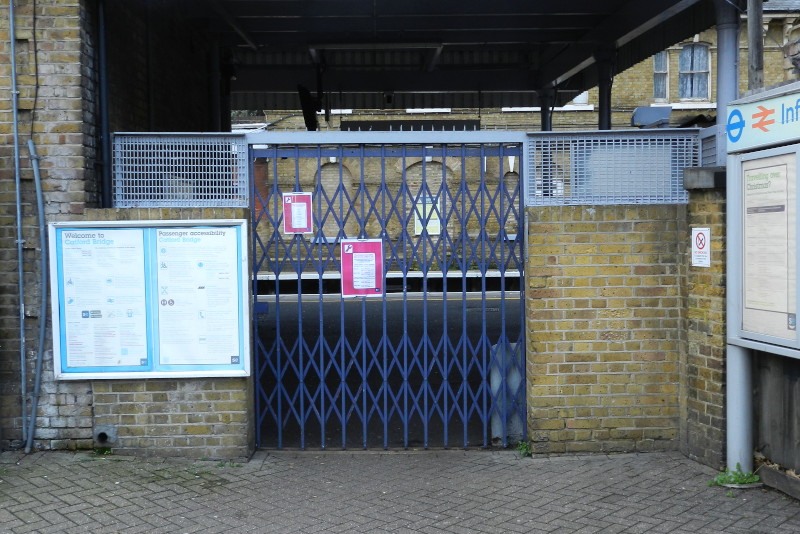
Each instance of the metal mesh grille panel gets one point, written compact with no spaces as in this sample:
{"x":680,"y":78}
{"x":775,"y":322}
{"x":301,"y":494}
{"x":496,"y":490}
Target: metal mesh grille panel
{"x":610,"y":167}
{"x":180,"y":171}
{"x":708,"y":147}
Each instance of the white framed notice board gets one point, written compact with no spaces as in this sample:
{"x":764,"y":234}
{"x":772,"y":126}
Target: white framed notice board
{"x":150,"y":299}
{"x":763,"y":253}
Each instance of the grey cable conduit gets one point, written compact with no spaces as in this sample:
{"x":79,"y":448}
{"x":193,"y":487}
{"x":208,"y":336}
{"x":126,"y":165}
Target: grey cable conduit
{"x":20,"y":241}
{"x":37,"y":385}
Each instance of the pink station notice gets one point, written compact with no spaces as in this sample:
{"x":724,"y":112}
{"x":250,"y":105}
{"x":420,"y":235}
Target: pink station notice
{"x":297,"y":213}
{"x":362,"y":267}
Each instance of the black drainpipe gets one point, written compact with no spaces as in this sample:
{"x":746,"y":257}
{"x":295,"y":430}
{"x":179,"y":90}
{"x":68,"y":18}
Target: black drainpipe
{"x":105,"y":133}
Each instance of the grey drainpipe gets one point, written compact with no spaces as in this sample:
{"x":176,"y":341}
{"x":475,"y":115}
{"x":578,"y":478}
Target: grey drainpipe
{"x":37,"y":384}
{"x":18,"y":185}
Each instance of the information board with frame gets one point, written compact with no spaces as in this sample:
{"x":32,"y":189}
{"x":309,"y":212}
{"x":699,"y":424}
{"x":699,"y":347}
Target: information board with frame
{"x":763,"y":282}
{"x":150,"y":299}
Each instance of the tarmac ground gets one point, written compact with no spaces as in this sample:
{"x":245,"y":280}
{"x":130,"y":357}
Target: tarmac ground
{"x":400,"y":492}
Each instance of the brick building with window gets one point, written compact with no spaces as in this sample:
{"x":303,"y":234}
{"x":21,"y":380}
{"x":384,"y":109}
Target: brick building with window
{"x":682,"y":77}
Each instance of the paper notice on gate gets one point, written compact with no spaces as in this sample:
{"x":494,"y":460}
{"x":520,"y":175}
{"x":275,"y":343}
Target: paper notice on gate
{"x":364,"y":269}
{"x":426,"y":216}
{"x":299,"y":214}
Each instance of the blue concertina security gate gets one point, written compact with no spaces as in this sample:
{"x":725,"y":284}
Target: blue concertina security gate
{"x":435,"y":358}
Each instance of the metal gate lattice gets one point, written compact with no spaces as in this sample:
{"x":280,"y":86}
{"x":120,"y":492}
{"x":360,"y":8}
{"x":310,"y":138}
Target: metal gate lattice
{"x":438,"y":359}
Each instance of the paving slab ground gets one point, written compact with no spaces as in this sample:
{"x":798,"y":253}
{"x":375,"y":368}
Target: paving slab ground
{"x":397,"y":492}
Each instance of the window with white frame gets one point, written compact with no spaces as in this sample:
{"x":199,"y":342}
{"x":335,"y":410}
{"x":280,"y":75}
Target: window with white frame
{"x":660,"y":76}
{"x":582,"y":99}
{"x":694,"y":72}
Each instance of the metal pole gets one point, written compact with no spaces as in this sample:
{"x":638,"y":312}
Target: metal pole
{"x":215,"y":89}
{"x":605,"y":78}
{"x":755,"y":44}
{"x":727,"y":68}
{"x":546,"y":108}
{"x":739,"y":389}
{"x":739,"y":408}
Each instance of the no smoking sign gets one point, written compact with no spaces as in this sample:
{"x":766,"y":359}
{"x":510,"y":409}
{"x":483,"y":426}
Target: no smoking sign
{"x":701,"y":247}
{"x":700,"y":241}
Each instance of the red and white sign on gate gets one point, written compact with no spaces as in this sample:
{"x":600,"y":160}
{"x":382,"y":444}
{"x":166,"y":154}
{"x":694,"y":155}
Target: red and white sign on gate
{"x":701,"y":247}
{"x":297,"y":213}
{"x":362,"y":267}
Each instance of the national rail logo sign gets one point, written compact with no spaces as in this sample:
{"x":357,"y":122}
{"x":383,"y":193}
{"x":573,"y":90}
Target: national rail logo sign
{"x":765,"y":123}
{"x":762,"y":115}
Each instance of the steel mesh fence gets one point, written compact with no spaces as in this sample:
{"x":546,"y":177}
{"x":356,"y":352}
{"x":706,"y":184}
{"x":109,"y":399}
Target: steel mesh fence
{"x":590,"y":168}
{"x":565,"y":168}
{"x":180,"y":170}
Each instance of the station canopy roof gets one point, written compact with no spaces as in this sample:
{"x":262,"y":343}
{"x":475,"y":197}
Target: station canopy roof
{"x":379,"y":54}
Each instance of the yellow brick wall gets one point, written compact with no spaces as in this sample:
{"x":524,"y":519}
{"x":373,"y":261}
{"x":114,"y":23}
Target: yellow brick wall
{"x":189,"y":417}
{"x":703,"y":367}
{"x":193,"y":418}
{"x":57,"y":124}
{"x":604,"y":300}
